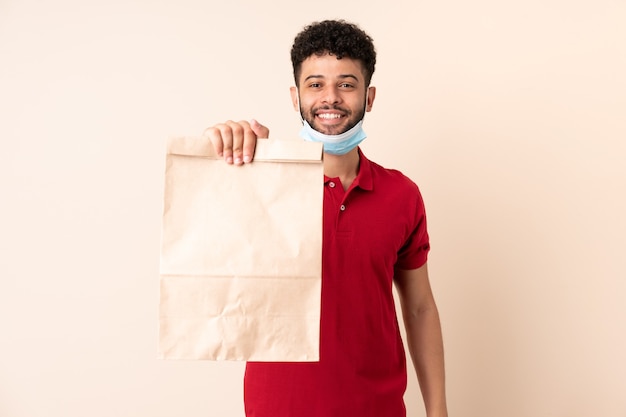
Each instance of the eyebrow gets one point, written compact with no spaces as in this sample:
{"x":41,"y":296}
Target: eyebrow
{"x":342,"y":76}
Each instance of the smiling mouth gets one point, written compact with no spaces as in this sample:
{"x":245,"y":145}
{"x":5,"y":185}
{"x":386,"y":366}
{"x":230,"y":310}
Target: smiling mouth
{"x":329,"y":116}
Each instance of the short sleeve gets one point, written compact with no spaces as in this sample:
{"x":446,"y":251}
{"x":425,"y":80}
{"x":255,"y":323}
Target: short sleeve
{"x":414,"y":252}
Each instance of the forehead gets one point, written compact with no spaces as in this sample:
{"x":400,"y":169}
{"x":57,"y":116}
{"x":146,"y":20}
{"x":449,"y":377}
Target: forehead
{"x":328,"y":66}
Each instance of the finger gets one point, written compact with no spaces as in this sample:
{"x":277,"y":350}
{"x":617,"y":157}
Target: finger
{"x":259,"y":130}
{"x":249,"y":145}
{"x":238,"y":132}
{"x":226,"y":138}
{"x":214,"y":135}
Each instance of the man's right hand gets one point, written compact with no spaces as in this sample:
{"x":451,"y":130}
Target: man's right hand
{"x":236,"y":141}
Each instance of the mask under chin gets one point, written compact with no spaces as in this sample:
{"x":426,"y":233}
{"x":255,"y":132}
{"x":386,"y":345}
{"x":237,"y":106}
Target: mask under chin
{"x":335,"y":144}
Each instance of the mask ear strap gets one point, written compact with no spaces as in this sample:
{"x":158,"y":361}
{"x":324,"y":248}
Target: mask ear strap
{"x":299,"y":107}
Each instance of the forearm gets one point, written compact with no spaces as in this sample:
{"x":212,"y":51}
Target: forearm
{"x":423,"y":329}
{"x":426,"y":349}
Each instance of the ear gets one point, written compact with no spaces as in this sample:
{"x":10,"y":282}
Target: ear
{"x":294,"y":98}
{"x":371,"y":95}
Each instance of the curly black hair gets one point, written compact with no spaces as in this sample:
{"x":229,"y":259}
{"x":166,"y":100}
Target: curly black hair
{"x":335,"y":37}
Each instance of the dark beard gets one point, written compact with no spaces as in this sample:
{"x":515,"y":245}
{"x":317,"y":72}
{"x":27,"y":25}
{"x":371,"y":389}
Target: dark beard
{"x":310,"y":118}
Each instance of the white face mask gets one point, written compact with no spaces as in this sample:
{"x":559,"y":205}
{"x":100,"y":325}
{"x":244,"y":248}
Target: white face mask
{"x":333,"y":144}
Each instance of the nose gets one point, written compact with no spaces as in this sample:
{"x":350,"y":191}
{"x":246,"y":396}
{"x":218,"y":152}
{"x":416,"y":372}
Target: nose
{"x":331,"y":95}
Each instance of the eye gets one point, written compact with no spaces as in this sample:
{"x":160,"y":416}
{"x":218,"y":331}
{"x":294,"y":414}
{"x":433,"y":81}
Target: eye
{"x":346,"y":85}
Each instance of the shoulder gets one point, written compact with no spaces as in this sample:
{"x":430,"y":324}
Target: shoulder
{"x":389,"y":177}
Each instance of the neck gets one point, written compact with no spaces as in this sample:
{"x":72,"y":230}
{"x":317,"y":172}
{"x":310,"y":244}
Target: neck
{"x":345,"y":167}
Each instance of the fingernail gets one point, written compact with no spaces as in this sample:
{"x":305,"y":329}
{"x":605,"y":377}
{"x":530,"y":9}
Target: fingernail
{"x":246,"y":159}
{"x":229,"y":160}
{"x":237,"y":160}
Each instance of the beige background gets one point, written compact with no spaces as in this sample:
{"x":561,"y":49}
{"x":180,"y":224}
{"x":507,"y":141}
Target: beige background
{"x":509,"y":114}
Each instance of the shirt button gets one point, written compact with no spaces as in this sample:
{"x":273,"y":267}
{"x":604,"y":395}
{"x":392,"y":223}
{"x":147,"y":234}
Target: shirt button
{"x":331,"y":184}
{"x":342,"y":208}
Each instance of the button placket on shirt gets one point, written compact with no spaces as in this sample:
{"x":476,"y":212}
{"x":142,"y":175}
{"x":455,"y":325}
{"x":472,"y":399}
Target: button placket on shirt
{"x":333,"y":184}
{"x":337,"y":196}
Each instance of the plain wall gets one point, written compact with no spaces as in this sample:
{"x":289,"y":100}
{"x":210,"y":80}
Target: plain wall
{"x":510,"y":116}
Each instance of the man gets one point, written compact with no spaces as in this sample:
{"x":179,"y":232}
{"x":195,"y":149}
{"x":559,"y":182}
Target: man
{"x":374,"y":237}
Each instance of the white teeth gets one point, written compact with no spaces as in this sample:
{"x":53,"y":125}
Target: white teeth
{"x":329,"y":116}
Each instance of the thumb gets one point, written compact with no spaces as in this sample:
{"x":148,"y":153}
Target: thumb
{"x":259,"y":130}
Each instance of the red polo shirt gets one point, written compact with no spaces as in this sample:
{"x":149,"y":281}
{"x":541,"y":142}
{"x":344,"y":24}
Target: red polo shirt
{"x":377,"y":224}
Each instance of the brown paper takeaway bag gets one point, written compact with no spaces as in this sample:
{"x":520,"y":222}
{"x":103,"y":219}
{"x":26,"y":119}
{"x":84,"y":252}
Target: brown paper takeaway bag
{"x":240,"y":273}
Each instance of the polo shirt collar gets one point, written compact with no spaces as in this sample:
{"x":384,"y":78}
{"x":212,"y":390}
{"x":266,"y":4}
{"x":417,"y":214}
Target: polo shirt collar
{"x":363,"y":179}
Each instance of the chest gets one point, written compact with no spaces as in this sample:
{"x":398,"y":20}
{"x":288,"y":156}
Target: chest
{"x":366,"y":225}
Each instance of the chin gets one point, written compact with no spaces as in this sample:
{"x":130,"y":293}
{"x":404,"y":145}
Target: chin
{"x":332,"y":130}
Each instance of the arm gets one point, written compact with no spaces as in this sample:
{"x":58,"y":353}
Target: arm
{"x":424,"y":339}
{"x":236,"y":141}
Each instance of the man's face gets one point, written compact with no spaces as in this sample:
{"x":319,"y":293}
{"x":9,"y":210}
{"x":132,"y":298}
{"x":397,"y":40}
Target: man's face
{"x":332,"y":93}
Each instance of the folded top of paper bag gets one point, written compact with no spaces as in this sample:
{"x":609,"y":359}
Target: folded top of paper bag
{"x":267,"y":150}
